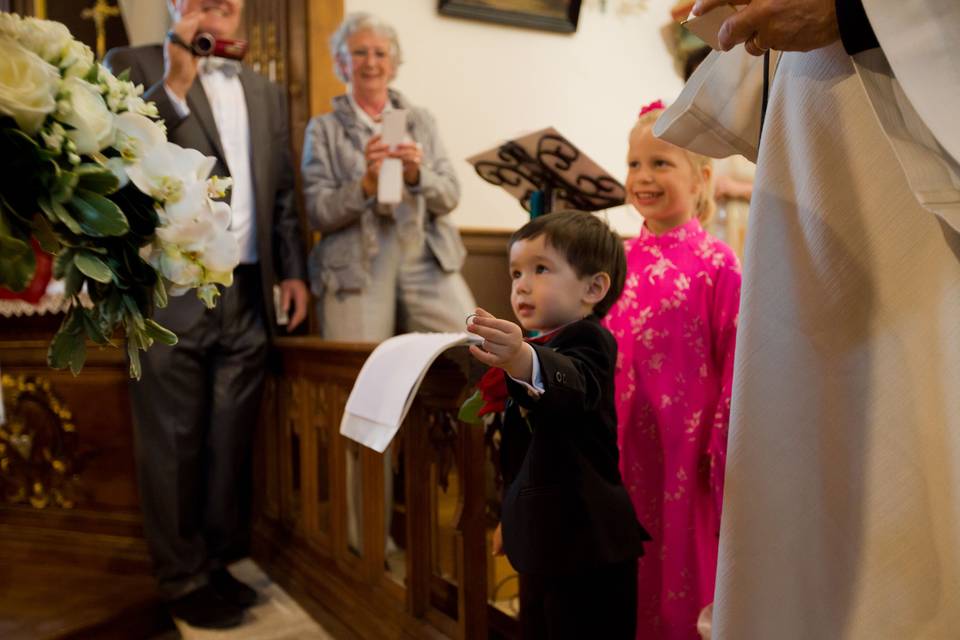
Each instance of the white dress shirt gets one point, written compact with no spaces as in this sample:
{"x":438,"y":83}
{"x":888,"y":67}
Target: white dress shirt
{"x":229,"y":106}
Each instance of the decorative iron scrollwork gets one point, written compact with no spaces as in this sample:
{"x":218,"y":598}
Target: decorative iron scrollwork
{"x":39,"y":462}
{"x":549,"y":172}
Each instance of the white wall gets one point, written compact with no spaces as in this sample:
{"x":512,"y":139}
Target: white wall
{"x":486,"y":83}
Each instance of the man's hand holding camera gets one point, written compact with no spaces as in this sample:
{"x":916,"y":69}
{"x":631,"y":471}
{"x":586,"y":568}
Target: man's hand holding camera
{"x":180,"y":65}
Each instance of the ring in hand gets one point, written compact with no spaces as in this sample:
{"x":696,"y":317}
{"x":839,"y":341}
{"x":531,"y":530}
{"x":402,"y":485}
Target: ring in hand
{"x":470,"y":318}
{"x":756,"y":42}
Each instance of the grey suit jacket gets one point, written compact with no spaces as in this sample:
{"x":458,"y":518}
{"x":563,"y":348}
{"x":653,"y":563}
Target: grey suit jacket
{"x":333,"y":167}
{"x":279,"y":236}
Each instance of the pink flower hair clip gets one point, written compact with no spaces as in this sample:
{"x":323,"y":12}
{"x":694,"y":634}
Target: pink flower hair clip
{"x":656,"y":105}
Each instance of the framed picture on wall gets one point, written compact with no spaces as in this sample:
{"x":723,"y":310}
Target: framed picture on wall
{"x":551,"y":15}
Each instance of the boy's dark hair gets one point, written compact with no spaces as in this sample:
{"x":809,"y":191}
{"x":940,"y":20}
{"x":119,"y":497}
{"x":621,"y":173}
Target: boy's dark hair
{"x":587,"y":243}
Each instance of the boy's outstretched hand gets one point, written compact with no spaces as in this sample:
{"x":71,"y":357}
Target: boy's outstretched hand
{"x":503,"y":345}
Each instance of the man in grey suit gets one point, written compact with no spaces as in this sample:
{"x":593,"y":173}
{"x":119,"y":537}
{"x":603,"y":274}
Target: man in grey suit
{"x":196,"y":406}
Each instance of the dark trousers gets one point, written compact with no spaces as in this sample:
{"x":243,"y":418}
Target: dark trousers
{"x":195,"y":410}
{"x":599,"y":603}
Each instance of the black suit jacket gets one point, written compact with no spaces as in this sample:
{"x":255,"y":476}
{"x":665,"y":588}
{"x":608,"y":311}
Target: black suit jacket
{"x":565,"y":509}
{"x":280,"y":246}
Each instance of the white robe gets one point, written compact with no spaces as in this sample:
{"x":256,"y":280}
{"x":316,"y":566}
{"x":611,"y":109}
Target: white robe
{"x":842,"y":511}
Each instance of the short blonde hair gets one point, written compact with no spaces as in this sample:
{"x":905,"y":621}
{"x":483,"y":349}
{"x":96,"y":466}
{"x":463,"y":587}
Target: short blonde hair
{"x":706,"y":204}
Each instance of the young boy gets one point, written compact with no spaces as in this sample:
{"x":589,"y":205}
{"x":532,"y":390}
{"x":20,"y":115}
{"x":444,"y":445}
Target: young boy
{"x":568,"y":525}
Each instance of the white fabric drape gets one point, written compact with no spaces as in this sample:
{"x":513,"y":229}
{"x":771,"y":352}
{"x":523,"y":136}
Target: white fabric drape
{"x":842,"y":509}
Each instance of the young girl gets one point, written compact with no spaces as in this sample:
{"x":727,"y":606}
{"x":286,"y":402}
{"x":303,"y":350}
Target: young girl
{"x":675,"y":327}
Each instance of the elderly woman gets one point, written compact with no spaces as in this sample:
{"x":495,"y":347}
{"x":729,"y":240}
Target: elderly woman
{"x":377,"y":264}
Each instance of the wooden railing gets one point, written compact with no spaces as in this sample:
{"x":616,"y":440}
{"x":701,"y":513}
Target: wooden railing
{"x":323,"y":511}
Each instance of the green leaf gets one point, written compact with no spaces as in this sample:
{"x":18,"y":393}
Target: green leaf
{"x":64,"y":184}
{"x":133,"y":353}
{"x":45,"y":235}
{"x":57,"y":212}
{"x":98,"y":216}
{"x":62,"y":263}
{"x":160,"y":294}
{"x":19,"y":217}
{"x":133,"y":315}
{"x":470,"y":409}
{"x":124,"y":75}
{"x":92,"y":328}
{"x":159,"y":333}
{"x":72,"y":281}
{"x":93,"y":267}
{"x":17,"y":263}
{"x":68,"y":347}
{"x":93,"y":177}
{"x":93,"y":76}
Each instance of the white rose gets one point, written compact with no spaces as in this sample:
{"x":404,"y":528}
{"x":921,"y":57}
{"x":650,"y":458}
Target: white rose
{"x":28,"y":85}
{"x":11,"y":24}
{"x":87,"y":113}
{"x":46,"y":38}
{"x":77,"y":60}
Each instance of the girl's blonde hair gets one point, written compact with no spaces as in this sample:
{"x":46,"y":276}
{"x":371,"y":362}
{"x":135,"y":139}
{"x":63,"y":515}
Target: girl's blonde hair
{"x":706,"y":204}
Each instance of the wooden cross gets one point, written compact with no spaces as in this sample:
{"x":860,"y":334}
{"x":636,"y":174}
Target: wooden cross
{"x":100,"y":12}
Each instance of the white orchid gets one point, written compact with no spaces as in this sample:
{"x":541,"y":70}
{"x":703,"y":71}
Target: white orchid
{"x":164,"y":170}
{"x":137,"y":135}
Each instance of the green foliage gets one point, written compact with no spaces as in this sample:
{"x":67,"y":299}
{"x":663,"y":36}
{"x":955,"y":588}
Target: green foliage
{"x":470,"y":409}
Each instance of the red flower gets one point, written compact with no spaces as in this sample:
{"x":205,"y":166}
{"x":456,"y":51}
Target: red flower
{"x":493,"y":387}
{"x":38,"y":285}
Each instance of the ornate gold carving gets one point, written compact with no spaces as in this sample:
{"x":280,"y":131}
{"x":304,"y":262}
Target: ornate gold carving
{"x":274,"y":58}
{"x":100,"y":12}
{"x":38,"y":445}
{"x":255,"y":47}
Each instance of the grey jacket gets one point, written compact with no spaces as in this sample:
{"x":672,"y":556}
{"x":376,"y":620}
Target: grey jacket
{"x":333,"y":167}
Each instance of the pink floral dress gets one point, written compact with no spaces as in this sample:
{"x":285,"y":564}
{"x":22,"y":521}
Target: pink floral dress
{"x":675,"y":326}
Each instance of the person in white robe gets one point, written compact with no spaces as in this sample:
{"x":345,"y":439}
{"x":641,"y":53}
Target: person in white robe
{"x":842,"y":508}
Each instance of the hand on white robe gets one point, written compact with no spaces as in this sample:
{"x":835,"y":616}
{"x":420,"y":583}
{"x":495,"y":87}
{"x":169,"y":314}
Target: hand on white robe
{"x":784,"y":25}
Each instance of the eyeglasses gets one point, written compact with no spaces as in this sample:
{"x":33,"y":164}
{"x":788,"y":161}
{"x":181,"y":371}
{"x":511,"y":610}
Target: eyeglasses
{"x":380,"y":54}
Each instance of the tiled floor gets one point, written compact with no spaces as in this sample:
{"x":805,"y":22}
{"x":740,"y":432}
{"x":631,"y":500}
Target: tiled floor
{"x":275,"y":617}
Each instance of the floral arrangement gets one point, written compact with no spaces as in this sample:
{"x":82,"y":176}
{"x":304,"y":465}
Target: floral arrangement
{"x":87,"y":173}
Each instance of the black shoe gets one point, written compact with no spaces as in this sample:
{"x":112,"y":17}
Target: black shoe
{"x":203,"y":608}
{"x":231,"y":589}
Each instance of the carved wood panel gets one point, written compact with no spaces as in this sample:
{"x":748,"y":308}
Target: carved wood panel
{"x":445,"y":502}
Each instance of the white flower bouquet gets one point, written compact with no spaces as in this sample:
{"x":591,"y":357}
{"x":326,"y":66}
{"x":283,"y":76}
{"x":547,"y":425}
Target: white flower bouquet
{"x":87,"y":172}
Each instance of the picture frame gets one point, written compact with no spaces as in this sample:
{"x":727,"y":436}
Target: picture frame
{"x":549,"y":15}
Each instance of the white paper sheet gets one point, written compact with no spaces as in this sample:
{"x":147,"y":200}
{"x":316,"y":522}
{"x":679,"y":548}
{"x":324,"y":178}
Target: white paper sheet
{"x":390,"y":182}
{"x":388,"y":383}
